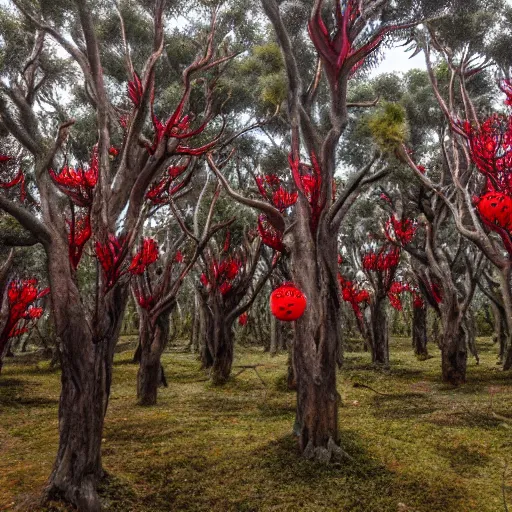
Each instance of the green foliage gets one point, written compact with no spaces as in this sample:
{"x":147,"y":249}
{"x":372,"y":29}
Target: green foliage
{"x":389,"y":127}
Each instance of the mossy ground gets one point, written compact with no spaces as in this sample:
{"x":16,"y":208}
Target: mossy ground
{"x":420,"y":447}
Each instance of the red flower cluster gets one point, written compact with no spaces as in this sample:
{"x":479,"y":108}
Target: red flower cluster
{"x":221,"y":275}
{"x":162,"y":191}
{"x":351,"y":293}
{"x":387,"y":258}
{"x":394,"y":292}
{"x":270,"y":236}
{"x":111,"y":256}
{"x":336,"y":48}
{"x":19,"y":179}
{"x":79,"y":234}
{"x":491,"y":150}
{"x":176,"y":126}
{"x":417,"y":301}
{"x":147,"y":254}
{"x":242,"y":319}
{"x":179,"y":257}
{"x":21,"y":296}
{"x":135,"y":90}
{"x":78,"y":183}
{"x":308,"y":179}
{"x":272,"y":190}
{"x":400,"y":231}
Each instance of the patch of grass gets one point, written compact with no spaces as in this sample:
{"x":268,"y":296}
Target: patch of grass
{"x":420,"y":443}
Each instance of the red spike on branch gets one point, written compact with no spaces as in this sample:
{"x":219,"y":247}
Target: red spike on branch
{"x":78,"y":183}
{"x":135,"y":90}
{"x":269,"y":235}
{"x":79,"y":234}
{"x":147,"y":254}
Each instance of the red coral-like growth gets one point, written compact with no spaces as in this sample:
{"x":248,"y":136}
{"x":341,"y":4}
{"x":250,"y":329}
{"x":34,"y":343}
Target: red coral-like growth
{"x":21,"y":298}
{"x":78,"y":183}
{"x":273,"y":191}
{"x":269,"y":235}
{"x":147,"y":254}
{"x":400,"y":231}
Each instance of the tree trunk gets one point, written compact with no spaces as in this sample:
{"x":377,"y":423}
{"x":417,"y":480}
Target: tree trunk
{"x":500,"y":330}
{"x":223,"y":352}
{"x":316,"y":340}
{"x":83,"y":402}
{"x":379,"y":332}
{"x":273,"y":335}
{"x":419,"y":332}
{"x":86,"y":354}
{"x":453,"y":350}
{"x":153,"y":339}
{"x":291,"y":379}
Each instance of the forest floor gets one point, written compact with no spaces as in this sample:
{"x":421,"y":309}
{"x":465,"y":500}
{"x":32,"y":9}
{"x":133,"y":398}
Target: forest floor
{"x":418,"y":447}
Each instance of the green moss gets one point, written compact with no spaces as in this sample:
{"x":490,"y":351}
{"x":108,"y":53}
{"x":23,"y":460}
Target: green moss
{"x":202,"y":448}
{"x":389,"y":126}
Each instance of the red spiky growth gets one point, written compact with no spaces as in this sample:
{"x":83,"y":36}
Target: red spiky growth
{"x":78,"y":183}
{"x":395,"y":290}
{"x":113,"y":151}
{"x":386,"y":258}
{"x":221,"y":274}
{"x":19,"y":179}
{"x":177,"y":126}
{"x":135,"y":90}
{"x":147,"y":254}
{"x":417,"y":300}
{"x":336,"y":48}
{"x":111,"y":256}
{"x":308,"y":179}
{"x":400,"y":231}
{"x":162,"y":191}
{"x":22,"y":311}
{"x":491,"y":150}
{"x":269,"y":235}
{"x":242,"y":319}
{"x":273,"y":191}
{"x":179,"y":257}
{"x":80,"y":232}
{"x":351,"y":293}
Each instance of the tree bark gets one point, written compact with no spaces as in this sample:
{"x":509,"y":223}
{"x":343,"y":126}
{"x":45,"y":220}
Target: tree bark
{"x":273,"y":335}
{"x":316,"y":341}
{"x":86,"y":354}
{"x":153,"y":338}
{"x":453,"y":349}
{"x":419,"y":332}
{"x":379,"y":332}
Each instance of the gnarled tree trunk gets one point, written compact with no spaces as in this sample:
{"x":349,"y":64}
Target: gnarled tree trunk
{"x":419,"y":332}
{"x":316,"y":342}
{"x":153,"y":338}
{"x":453,"y":348}
{"x":86,"y":353}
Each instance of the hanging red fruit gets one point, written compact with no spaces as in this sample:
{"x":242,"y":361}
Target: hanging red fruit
{"x":496,"y":208}
{"x":287,"y":302}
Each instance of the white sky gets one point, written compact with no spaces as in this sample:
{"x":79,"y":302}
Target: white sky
{"x":397,"y":60}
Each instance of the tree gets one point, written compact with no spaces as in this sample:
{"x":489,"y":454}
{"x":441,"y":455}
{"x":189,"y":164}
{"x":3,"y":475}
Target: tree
{"x":106,"y":204}
{"x":311,"y":239}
